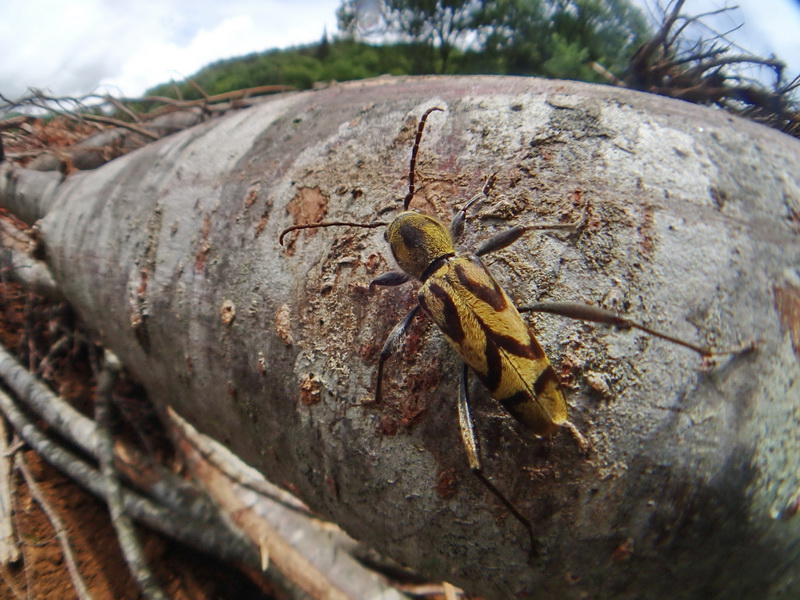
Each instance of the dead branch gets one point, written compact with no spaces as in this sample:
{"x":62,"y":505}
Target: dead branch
{"x":120,"y":520}
{"x":198,"y":534}
{"x":299,"y":546}
{"x":9,"y":550}
{"x":234,"y":469}
{"x":58,"y":526}
{"x":71,"y":424}
{"x":119,"y":105}
{"x":163,"y":485}
{"x":27,"y":194}
{"x":130,"y":128}
{"x":15,"y":122}
{"x":708,"y":72}
{"x":199,"y":90}
{"x":122,"y":124}
{"x":20,"y":266}
{"x":643,"y":54}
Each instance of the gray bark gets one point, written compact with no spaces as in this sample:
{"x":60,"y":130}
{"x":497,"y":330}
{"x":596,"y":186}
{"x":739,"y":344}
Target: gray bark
{"x":170,"y":254}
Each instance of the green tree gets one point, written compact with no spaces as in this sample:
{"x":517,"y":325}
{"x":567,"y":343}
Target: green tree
{"x":518,"y":35}
{"x":609,"y":30}
{"x":560,"y":38}
{"x":440,"y":25}
{"x":527,"y":37}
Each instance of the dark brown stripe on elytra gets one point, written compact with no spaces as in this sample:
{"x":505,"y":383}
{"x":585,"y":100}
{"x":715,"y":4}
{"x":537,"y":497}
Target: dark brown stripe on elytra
{"x":512,"y":345}
{"x":545,"y":377}
{"x":514,"y":400}
{"x":493,"y":296}
{"x":451,"y":321}
{"x":494,"y":367}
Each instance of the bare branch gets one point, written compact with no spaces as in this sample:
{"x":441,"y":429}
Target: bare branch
{"x":20,"y":266}
{"x":9,"y":550}
{"x":196,"y":534}
{"x":298,"y":546}
{"x":118,"y":123}
{"x":122,"y":523}
{"x":708,"y":72}
{"x":81,"y":431}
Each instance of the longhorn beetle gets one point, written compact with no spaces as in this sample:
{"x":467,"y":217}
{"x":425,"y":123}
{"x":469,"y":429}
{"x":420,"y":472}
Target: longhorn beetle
{"x":479,"y":319}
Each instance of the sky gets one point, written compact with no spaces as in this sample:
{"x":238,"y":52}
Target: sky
{"x":75,"y":47}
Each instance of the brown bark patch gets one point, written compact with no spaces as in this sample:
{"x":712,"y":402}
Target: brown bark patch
{"x":447,"y":484}
{"x":227,"y":312}
{"x":250,"y":199}
{"x":787,"y":302}
{"x":309,"y":205}
{"x":205,"y":246}
{"x":283,"y":324}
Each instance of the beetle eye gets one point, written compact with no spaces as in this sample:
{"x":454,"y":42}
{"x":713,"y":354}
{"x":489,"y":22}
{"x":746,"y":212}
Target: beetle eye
{"x":386,"y":235}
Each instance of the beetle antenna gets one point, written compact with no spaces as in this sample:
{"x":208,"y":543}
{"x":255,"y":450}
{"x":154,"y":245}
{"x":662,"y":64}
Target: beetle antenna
{"x":413,"y":166}
{"x":329,"y":224}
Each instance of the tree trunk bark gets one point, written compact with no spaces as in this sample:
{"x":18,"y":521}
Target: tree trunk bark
{"x":690,"y":488}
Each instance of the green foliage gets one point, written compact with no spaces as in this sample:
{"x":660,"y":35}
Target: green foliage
{"x":568,"y":60}
{"x":560,"y":38}
{"x":301,"y":67}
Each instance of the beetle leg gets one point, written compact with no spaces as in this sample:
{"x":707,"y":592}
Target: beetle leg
{"x":388,"y":279}
{"x":465,"y":423}
{"x":509,"y":236}
{"x":595,"y":314}
{"x":460,"y":218}
{"x":470,"y":440}
{"x":391,"y":345}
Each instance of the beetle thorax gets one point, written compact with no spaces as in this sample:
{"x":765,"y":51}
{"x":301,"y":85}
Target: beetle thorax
{"x":417,"y":240}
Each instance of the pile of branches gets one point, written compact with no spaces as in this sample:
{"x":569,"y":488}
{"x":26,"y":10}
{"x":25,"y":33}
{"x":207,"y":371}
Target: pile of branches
{"x":91,"y":130}
{"x":713,"y":71}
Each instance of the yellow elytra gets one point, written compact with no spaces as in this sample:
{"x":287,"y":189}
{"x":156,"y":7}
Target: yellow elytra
{"x":480,"y":321}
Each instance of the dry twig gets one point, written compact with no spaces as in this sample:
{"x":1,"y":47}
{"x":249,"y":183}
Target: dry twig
{"x":9,"y":551}
{"x":122,"y":523}
{"x":127,"y":129}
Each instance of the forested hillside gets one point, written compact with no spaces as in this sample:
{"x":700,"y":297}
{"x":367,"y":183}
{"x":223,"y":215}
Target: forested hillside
{"x":550,"y":38}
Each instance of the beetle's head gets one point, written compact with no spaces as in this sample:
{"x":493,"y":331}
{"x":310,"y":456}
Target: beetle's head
{"x":417,"y":240}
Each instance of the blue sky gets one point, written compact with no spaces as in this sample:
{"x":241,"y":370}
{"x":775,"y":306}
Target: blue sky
{"x":82,"y":46}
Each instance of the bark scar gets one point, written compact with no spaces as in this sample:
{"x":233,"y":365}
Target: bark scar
{"x":309,"y":205}
{"x":787,"y":302}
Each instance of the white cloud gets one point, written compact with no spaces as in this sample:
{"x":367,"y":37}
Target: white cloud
{"x":158,"y":61}
{"x":70,"y":48}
